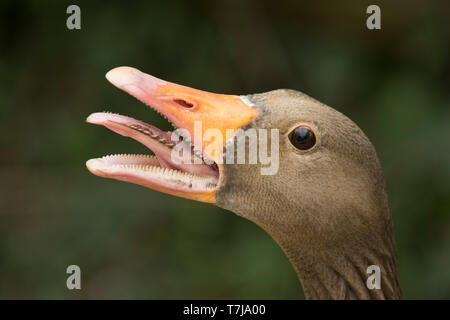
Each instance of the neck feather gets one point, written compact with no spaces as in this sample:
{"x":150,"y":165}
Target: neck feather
{"x":334,"y":263}
{"x":345,"y":276}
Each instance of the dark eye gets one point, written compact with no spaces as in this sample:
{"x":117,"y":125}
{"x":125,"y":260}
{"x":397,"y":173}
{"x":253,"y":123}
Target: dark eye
{"x":303,"y":138}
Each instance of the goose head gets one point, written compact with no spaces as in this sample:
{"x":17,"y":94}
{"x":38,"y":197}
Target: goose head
{"x":320,"y":193}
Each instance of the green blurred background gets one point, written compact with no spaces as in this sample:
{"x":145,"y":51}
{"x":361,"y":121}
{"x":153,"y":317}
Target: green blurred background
{"x":132,"y":242}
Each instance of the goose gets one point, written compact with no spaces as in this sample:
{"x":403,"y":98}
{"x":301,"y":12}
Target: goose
{"x":326,"y":205}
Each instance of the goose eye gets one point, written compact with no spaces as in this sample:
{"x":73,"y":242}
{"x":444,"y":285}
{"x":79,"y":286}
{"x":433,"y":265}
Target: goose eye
{"x":302,"y":138}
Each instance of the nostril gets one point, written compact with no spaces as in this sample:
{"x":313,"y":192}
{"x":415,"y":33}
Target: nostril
{"x":184,"y":103}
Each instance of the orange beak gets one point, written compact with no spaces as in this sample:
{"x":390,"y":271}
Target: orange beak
{"x":185,"y":106}
{"x":209,"y":118}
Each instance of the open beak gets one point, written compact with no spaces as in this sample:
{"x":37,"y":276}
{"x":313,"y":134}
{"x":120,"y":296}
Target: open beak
{"x":188,"y":161}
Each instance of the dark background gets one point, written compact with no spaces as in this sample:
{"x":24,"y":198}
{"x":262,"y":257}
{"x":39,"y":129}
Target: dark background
{"x":132,"y":242}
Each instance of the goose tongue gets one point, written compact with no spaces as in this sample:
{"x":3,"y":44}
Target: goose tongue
{"x":161,"y":143}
